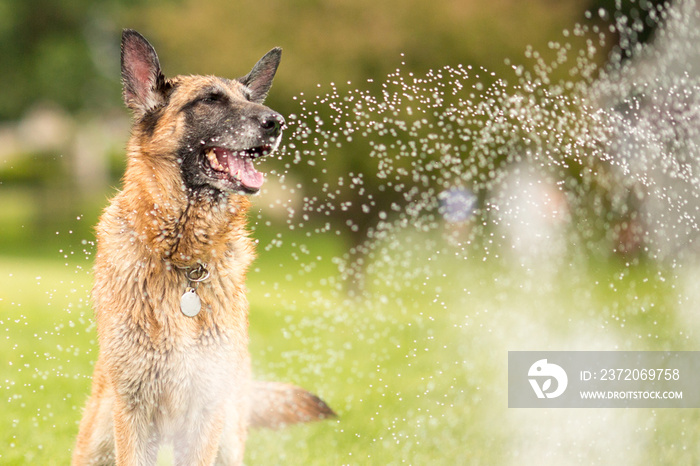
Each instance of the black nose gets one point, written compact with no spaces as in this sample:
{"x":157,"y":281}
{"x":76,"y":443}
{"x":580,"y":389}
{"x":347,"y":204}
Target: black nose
{"x":272,"y":124}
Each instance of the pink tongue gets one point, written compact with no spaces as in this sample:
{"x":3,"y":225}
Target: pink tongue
{"x":246,"y":173}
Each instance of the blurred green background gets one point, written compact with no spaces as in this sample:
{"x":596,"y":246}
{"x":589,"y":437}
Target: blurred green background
{"x":415,"y":368}
{"x":63,"y":126}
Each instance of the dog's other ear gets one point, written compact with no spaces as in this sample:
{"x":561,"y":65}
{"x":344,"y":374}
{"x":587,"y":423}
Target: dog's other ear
{"x":143,"y":82}
{"x":259,"y":80}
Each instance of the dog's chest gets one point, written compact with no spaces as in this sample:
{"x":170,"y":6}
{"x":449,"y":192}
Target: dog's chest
{"x":184,"y":381}
{"x":159,"y":357}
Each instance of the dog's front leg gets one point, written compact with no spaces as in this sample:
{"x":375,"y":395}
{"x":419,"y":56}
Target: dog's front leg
{"x":233,"y":437}
{"x":136,"y":439}
{"x":197,"y":443}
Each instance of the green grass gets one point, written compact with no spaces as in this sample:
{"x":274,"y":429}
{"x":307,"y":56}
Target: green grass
{"x":416,"y":367}
{"x":47,"y":343}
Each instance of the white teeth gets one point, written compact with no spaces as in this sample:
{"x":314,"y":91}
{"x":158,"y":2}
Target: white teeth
{"x":237,"y":175}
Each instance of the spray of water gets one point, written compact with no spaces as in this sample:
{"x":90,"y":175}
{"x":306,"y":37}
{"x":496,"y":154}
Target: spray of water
{"x":501,"y":212}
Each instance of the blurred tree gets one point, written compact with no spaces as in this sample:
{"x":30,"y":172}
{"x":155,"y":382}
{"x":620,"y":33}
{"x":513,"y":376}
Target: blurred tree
{"x":65,"y":53}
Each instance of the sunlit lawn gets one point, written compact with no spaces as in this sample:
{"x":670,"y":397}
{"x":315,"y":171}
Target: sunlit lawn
{"x":416,"y":369}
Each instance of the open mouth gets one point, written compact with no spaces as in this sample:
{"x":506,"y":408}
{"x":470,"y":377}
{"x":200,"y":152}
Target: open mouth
{"x":237,"y":165}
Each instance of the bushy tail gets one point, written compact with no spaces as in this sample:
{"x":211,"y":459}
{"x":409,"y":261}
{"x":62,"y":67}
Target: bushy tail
{"x":276,"y":405}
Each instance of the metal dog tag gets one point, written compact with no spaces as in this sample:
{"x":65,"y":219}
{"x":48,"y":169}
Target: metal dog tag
{"x":190,"y":304}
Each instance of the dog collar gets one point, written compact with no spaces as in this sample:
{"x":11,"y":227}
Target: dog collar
{"x":190,"y":304}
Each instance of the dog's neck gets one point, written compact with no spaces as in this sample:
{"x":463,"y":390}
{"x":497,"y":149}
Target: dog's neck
{"x":179,"y":225}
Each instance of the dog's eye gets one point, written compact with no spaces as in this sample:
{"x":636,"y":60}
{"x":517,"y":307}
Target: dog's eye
{"x":214,"y":97}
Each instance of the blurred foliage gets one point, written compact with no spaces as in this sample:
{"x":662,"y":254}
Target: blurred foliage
{"x":67,"y":53}
{"x":47,"y":53}
{"x":340,"y":41}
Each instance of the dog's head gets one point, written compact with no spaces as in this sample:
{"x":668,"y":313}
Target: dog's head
{"x":214,"y":128}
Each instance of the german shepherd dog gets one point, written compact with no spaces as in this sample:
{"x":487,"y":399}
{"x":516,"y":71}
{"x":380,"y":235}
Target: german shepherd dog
{"x":169,"y":294}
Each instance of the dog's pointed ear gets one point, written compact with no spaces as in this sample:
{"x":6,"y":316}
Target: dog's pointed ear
{"x":142,"y":80}
{"x":259,"y":80}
